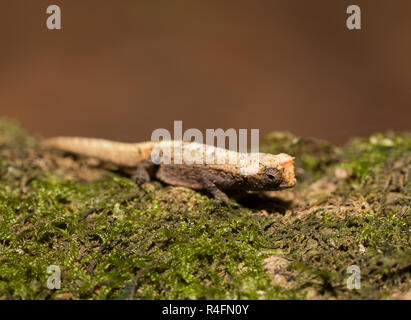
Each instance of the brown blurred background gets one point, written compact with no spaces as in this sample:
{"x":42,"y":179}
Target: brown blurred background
{"x":120,"y":69}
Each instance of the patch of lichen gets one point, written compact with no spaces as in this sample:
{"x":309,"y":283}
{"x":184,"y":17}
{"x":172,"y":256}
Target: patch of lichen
{"x":114,"y":239}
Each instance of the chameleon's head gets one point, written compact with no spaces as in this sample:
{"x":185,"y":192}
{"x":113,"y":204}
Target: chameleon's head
{"x":275,"y":172}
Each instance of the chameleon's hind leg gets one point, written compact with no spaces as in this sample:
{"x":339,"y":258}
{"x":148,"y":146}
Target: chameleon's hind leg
{"x":144,"y":171}
{"x":211,"y":188}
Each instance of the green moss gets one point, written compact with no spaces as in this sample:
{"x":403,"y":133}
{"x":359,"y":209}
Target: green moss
{"x":12,"y":135}
{"x":114,"y":239}
{"x":366,"y":156}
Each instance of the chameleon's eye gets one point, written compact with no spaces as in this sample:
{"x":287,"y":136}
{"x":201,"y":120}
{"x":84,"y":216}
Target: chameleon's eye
{"x":271,"y":174}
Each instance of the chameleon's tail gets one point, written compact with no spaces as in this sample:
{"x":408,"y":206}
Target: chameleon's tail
{"x":123,"y":154}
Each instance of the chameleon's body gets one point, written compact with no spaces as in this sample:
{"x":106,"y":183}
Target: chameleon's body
{"x":272,"y":172}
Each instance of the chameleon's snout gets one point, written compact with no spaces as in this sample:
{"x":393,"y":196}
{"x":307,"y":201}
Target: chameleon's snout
{"x":277,"y":172}
{"x":287,"y":172}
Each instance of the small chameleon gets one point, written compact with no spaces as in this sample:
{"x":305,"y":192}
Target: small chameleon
{"x":273,"y":172}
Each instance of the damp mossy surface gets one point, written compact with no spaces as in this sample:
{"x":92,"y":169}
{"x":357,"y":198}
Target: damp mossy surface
{"x":114,"y":239}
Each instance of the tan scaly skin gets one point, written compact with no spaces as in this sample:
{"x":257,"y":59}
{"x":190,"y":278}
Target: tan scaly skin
{"x":273,"y":172}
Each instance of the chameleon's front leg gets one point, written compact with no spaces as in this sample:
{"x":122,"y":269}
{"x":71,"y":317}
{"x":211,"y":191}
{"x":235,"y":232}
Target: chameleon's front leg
{"x":211,"y":188}
{"x":191,"y":177}
{"x":144,"y":171}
